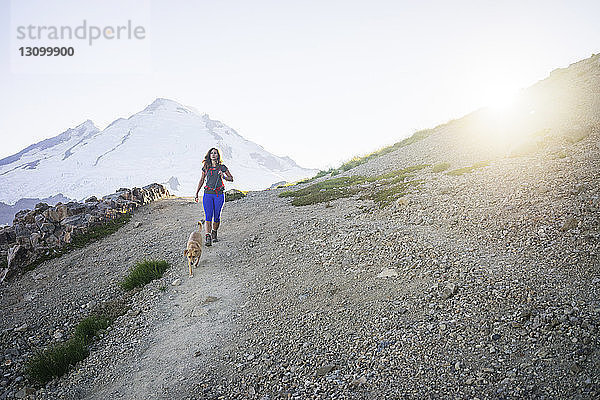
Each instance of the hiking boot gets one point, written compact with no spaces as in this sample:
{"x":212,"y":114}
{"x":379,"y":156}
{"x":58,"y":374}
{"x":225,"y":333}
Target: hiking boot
{"x":208,"y":240}
{"x":214,"y":236}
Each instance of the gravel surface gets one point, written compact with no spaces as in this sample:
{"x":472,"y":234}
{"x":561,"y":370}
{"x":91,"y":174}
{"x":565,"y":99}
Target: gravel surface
{"x":484,"y":285}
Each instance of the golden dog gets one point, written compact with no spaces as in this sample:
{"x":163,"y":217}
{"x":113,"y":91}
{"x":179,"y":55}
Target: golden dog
{"x":193,"y":249}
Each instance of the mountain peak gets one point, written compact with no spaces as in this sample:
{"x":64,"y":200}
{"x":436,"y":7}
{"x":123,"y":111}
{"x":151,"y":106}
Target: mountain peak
{"x":164,"y":143}
{"x":87,"y":125}
{"x":163,"y":104}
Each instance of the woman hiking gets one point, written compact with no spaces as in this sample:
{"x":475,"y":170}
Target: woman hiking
{"x":214,"y":172}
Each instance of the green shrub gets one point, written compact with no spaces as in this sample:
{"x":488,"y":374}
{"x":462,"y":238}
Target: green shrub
{"x":307,"y":180}
{"x":56,"y":360}
{"x":440,"y":167}
{"x":323,"y":173}
{"x":319,"y":174}
{"x":143,"y":273}
{"x":90,"y":326}
{"x":234,"y":194}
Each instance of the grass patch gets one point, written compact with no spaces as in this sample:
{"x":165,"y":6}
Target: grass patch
{"x":99,"y":231}
{"x":143,"y":273}
{"x":468,"y":170}
{"x":307,"y":180}
{"x":440,"y":167}
{"x":558,"y":155}
{"x":399,"y":174}
{"x":386,"y":196}
{"x":93,"y":234}
{"x":336,"y":188}
{"x":328,"y":190}
{"x":233,"y":194}
{"x":58,"y":359}
{"x":90,"y":326}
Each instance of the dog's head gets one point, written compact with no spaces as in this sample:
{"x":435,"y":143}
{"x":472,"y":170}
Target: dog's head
{"x":192,"y":253}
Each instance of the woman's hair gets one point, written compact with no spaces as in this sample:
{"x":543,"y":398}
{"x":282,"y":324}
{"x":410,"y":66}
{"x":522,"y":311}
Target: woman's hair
{"x":207,"y":161}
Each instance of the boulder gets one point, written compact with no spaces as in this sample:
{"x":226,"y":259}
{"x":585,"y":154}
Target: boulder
{"x":41,"y":207}
{"x":22,"y":231}
{"x":47,"y":227}
{"x":16,"y":255}
{"x":39,"y":220}
{"x":24,"y":241}
{"x":52,"y":241}
{"x":20,"y":216}
{"x":7,"y":235}
{"x":56,"y":213}
{"x":35,"y":239}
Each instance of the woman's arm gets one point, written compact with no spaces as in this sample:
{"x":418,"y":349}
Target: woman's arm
{"x":200,"y":184}
{"x":227,"y":176}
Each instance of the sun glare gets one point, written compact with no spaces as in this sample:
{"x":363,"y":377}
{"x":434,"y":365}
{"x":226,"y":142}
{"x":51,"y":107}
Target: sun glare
{"x":501,"y":98}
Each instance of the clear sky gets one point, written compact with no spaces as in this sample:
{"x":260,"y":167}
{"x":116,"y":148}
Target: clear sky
{"x":319,"y":81}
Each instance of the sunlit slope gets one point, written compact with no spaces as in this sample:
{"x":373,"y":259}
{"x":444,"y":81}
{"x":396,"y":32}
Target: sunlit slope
{"x":543,"y":119}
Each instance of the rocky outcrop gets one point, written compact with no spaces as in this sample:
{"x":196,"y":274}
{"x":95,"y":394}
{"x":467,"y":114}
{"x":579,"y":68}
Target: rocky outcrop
{"x":39,"y":232}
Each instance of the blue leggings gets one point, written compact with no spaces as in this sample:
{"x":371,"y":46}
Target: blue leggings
{"x":213,"y":203}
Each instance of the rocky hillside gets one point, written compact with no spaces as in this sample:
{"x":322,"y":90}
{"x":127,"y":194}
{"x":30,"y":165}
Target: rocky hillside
{"x":474,"y":273}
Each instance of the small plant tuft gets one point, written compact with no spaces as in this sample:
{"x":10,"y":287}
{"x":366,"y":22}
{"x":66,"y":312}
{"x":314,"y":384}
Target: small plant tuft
{"x":468,"y":170}
{"x":233,"y":194}
{"x":90,"y":326}
{"x":386,"y":196}
{"x":56,"y":360}
{"x":59,"y":358}
{"x":441,"y":167}
{"x":143,"y":273}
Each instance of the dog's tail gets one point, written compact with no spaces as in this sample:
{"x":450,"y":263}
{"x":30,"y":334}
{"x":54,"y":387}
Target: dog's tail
{"x":200,"y":225}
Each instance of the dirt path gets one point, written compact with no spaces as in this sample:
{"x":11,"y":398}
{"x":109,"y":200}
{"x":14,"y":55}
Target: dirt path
{"x":158,"y":352}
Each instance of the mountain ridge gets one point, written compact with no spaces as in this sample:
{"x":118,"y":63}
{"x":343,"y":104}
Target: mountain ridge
{"x":164,"y":140}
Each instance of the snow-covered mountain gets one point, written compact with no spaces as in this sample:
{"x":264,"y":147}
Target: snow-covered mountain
{"x":164,"y":143}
